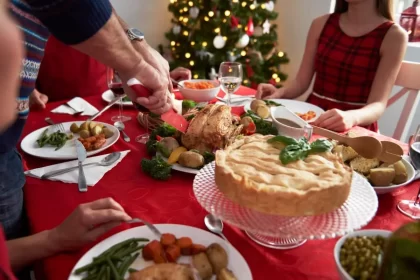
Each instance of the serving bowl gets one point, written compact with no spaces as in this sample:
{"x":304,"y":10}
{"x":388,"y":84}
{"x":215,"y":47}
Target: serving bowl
{"x":410,"y":176}
{"x":199,"y":95}
{"x":368,"y":232}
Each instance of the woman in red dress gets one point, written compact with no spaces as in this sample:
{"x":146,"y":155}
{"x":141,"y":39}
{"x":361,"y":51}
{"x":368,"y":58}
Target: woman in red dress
{"x":356,"y":53}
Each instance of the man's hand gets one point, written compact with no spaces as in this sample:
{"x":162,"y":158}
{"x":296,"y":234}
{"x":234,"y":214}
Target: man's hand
{"x":336,"y":120}
{"x":180,"y":73}
{"x":268,"y":91}
{"x":37,"y":100}
{"x":87,"y":223}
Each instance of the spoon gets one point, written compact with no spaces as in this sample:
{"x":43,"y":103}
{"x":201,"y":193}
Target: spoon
{"x":366,"y":146}
{"x":215,"y":225}
{"x":391,"y":152}
{"x":107,"y":161}
{"x":121,"y":126}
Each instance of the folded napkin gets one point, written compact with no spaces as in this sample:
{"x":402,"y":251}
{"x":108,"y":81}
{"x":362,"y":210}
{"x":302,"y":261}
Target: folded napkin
{"x":75,"y":105}
{"x":93,"y":173}
{"x":241,"y":100}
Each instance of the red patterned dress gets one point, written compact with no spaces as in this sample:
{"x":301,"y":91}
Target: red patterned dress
{"x":345,"y":67}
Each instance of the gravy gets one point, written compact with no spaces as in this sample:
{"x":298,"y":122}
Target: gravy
{"x":288,"y":122}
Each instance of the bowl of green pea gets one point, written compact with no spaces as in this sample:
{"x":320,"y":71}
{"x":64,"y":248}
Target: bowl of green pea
{"x":358,"y":254}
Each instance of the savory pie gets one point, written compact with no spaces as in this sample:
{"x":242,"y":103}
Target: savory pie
{"x":250,"y":173}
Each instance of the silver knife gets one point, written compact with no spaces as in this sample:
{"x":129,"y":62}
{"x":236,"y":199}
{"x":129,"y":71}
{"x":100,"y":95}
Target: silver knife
{"x":107,"y":107}
{"x":81,"y":156}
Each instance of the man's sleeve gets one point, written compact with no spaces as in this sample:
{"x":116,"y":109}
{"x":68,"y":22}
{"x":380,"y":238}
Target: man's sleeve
{"x":72,"y":21}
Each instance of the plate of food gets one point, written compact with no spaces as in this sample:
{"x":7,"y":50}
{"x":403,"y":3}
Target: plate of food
{"x":50,"y":143}
{"x":183,"y":252}
{"x":109,"y":96}
{"x":308,"y":112}
{"x":383,"y":177}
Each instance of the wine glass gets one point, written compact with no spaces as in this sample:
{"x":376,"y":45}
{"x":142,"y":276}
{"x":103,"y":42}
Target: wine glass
{"x":230,"y":77}
{"x":411,"y":208}
{"x":115,"y":85}
{"x":143,"y":138}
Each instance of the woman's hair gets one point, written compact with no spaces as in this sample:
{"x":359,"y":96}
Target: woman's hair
{"x":384,"y":7}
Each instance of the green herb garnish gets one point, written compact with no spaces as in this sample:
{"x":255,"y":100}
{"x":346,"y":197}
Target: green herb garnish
{"x":299,"y":149}
{"x":156,"y":168}
{"x":209,"y":157}
{"x":262,"y":127}
{"x":272,"y":103}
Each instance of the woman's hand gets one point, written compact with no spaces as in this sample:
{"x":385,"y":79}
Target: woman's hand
{"x":87,"y":223}
{"x":37,"y":100}
{"x":336,"y":120}
{"x":268,"y":91}
{"x":180,"y":73}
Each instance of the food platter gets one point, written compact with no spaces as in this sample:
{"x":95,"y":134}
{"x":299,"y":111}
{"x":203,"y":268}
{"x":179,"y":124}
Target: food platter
{"x":281,"y":232}
{"x":236,"y":263}
{"x":293,"y":105}
{"x":68,"y":151}
{"x":108,"y":96}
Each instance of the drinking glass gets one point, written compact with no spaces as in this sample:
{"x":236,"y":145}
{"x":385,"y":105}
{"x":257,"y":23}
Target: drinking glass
{"x":143,"y":138}
{"x":411,"y":208}
{"x":115,"y":85}
{"x":230,"y":77}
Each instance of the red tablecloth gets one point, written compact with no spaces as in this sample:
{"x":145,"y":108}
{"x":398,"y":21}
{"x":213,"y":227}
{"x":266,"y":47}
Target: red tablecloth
{"x":48,"y":203}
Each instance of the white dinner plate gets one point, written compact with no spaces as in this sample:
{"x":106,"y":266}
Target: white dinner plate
{"x":410,"y":176}
{"x":236,"y":263}
{"x":68,"y":151}
{"x":293,"y":105}
{"x":108,"y":96}
{"x":179,"y":167}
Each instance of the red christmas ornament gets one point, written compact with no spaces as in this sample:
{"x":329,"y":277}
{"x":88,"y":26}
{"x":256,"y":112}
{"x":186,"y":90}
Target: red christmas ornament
{"x":234,"y":22}
{"x":250,"y":27}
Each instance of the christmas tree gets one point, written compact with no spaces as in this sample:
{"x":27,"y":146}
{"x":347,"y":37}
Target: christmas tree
{"x":208,"y":32}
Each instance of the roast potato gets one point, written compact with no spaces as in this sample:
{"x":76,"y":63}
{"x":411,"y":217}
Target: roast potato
{"x":263,"y":111}
{"x":226,"y":274}
{"x":202,"y":263}
{"x":246,"y":121}
{"x":400,"y":173}
{"x":84,"y":126}
{"x":92,"y":125}
{"x":217,"y":257}
{"x":107,"y":132}
{"x":255,"y":103}
{"x":191,"y":159}
{"x":74,"y":128}
{"x":167,"y":145}
{"x":84,"y":133}
{"x":364,"y":165}
{"x":96,"y":130}
{"x":382,"y":176}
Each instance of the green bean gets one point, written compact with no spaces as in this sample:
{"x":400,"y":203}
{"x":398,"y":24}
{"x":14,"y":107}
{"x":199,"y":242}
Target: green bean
{"x":126,"y":264}
{"x":132,"y":270}
{"x":130,"y":251}
{"x":107,"y":273}
{"x":90,"y":266}
{"x":113,"y":269}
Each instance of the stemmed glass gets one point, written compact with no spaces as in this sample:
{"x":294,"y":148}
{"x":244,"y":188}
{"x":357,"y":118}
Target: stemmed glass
{"x":115,"y":85}
{"x":230,"y":77}
{"x":143,"y":138}
{"x":411,"y":208}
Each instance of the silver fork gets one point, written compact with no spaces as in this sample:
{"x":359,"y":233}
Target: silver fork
{"x":149,"y":225}
{"x":55,"y":126}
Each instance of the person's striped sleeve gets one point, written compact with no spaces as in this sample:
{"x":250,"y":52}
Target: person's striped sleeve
{"x":71,"y":21}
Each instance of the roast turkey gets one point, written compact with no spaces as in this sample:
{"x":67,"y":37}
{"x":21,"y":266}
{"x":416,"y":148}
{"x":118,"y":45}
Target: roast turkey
{"x":211,"y":128}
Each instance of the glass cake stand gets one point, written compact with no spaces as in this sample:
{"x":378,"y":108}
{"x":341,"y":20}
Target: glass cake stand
{"x":280,"y":232}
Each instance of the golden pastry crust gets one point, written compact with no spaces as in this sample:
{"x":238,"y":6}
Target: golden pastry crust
{"x":250,"y":173}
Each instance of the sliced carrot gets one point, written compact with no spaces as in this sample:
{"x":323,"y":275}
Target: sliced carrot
{"x":185,"y":243}
{"x":197,"y":249}
{"x":173,"y":252}
{"x":151,"y":250}
{"x":167,"y":239}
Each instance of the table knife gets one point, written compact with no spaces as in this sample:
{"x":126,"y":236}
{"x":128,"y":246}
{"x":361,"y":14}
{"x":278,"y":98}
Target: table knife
{"x":81,"y":156}
{"x":107,"y":107}
{"x":171,"y":117}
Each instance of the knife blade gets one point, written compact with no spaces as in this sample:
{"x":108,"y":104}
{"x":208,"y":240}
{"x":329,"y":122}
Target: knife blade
{"x":171,"y":117}
{"x":107,"y":107}
{"x":81,"y":156}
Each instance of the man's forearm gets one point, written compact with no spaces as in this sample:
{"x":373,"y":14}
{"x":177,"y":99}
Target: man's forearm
{"x":27,"y":250}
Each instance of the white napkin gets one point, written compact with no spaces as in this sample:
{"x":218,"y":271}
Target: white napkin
{"x":79,"y":104}
{"x":177,"y":104}
{"x":93,"y":173}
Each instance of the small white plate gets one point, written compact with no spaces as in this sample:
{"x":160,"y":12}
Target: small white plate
{"x":68,"y":151}
{"x":108,"y":96}
{"x":179,"y":167}
{"x":293,"y":105}
{"x":236,"y":263}
{"x":410,"y":176}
